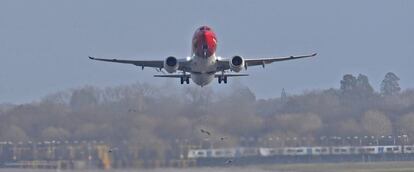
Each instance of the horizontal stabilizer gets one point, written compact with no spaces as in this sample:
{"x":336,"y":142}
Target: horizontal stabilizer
{"x":189,"y":76}
{"x":231,"y":74}
{"x":171,"y":76}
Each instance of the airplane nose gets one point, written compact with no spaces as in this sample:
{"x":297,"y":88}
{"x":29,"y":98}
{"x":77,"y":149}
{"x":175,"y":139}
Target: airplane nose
{"x":204,"y":47}
{"x":205,"y":43}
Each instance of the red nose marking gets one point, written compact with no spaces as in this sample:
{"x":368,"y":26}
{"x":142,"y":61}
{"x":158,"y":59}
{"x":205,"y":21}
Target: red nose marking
{"x":204,"y":42}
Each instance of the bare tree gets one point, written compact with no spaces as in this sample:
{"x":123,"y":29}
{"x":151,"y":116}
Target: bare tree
{"x":53,"y":133}
{"x":156,"y":121}
{"x":348,"y":127}
{"x":376,"y":123}
{"x":13,"y":133}
{"x":406,"y":123}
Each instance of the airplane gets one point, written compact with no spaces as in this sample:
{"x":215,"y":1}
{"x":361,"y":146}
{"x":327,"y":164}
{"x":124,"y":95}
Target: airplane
{"x":203,"y":65}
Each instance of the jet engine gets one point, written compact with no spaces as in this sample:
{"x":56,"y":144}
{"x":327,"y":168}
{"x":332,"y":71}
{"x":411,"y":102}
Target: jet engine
{"x":171,"y":64}
{"x":236,"y":63}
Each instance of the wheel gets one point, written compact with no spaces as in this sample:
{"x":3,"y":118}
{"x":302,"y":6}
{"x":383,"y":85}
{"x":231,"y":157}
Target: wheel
{"x":182,"y":80}
{"x":187,"y":80}
{"x":225,"y":79}
{"x":219,"y":79}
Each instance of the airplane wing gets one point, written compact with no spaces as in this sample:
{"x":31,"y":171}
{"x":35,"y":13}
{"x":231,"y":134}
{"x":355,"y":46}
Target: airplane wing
{"x":262,"y":61}
{"x":142,"y":63}
{"x":224,"y":64}
{"x":159,"y":64}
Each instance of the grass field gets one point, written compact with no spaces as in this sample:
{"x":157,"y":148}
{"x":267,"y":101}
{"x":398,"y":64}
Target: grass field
{"x":322,"y":167}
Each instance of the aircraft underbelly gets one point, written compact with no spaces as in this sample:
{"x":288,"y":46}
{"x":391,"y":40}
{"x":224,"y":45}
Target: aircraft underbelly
{"x":203,"y":70}
{"x":202,"y":79}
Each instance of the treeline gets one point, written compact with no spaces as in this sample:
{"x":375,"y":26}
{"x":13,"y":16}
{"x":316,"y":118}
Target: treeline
{"x":156,"y":120}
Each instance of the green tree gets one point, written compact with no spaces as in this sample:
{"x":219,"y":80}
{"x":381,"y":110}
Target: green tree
{"x":348,"y":83}
{"x":363,"y":86}
{"x":390,"y":85}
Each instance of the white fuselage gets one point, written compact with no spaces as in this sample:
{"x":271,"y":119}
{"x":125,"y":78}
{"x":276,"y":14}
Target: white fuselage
{"x":203,"y":69}
{"x":203,"y":58}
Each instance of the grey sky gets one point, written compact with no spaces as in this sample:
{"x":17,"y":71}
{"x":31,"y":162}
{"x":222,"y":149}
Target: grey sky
{"x":44,"y":44}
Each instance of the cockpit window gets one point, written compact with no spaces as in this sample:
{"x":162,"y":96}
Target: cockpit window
{"x":204,"y":28}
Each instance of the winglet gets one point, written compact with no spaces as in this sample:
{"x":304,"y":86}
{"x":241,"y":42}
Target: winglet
{"x":92,"y":58}
{"x":314,"y":54}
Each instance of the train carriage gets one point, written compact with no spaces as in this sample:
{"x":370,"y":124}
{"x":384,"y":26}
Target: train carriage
{"x":320,"y":150}
{"x":297,"y":151}
{"x":409,"y":149}
{"x":368,"y":150}
{"x":197,"y":153}
{"x":342,"y":150}
{"x":223,"y":153}
{"x":245,"y":152}
{"x":271,"y":151}
{"x":390,"y":149}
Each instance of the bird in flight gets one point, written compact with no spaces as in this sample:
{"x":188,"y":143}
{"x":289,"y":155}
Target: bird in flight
{"x":205,"y":132}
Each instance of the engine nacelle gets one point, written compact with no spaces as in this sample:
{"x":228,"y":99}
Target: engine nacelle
{"x":236,"y":63}
{"x":171,"y":64}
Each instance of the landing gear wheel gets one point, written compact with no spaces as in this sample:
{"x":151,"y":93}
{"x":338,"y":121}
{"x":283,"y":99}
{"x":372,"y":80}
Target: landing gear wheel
{"x":182,"y":80}
{"x":222,"y":79}
{"x":187,"y":80}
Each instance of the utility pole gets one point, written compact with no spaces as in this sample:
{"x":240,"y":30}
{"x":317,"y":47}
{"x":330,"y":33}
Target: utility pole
{"x":283,"y":96}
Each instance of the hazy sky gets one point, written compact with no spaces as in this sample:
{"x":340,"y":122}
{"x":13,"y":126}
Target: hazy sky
{"x":44,"y":44}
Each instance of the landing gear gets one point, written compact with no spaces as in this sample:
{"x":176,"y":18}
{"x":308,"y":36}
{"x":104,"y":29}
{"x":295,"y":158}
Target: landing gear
{"x":185,"y":79}
{"x":222,"y":79}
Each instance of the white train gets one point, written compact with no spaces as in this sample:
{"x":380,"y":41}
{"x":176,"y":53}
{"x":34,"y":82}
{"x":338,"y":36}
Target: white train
{"x":300,"y":151}
{"x":223,"y":153}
